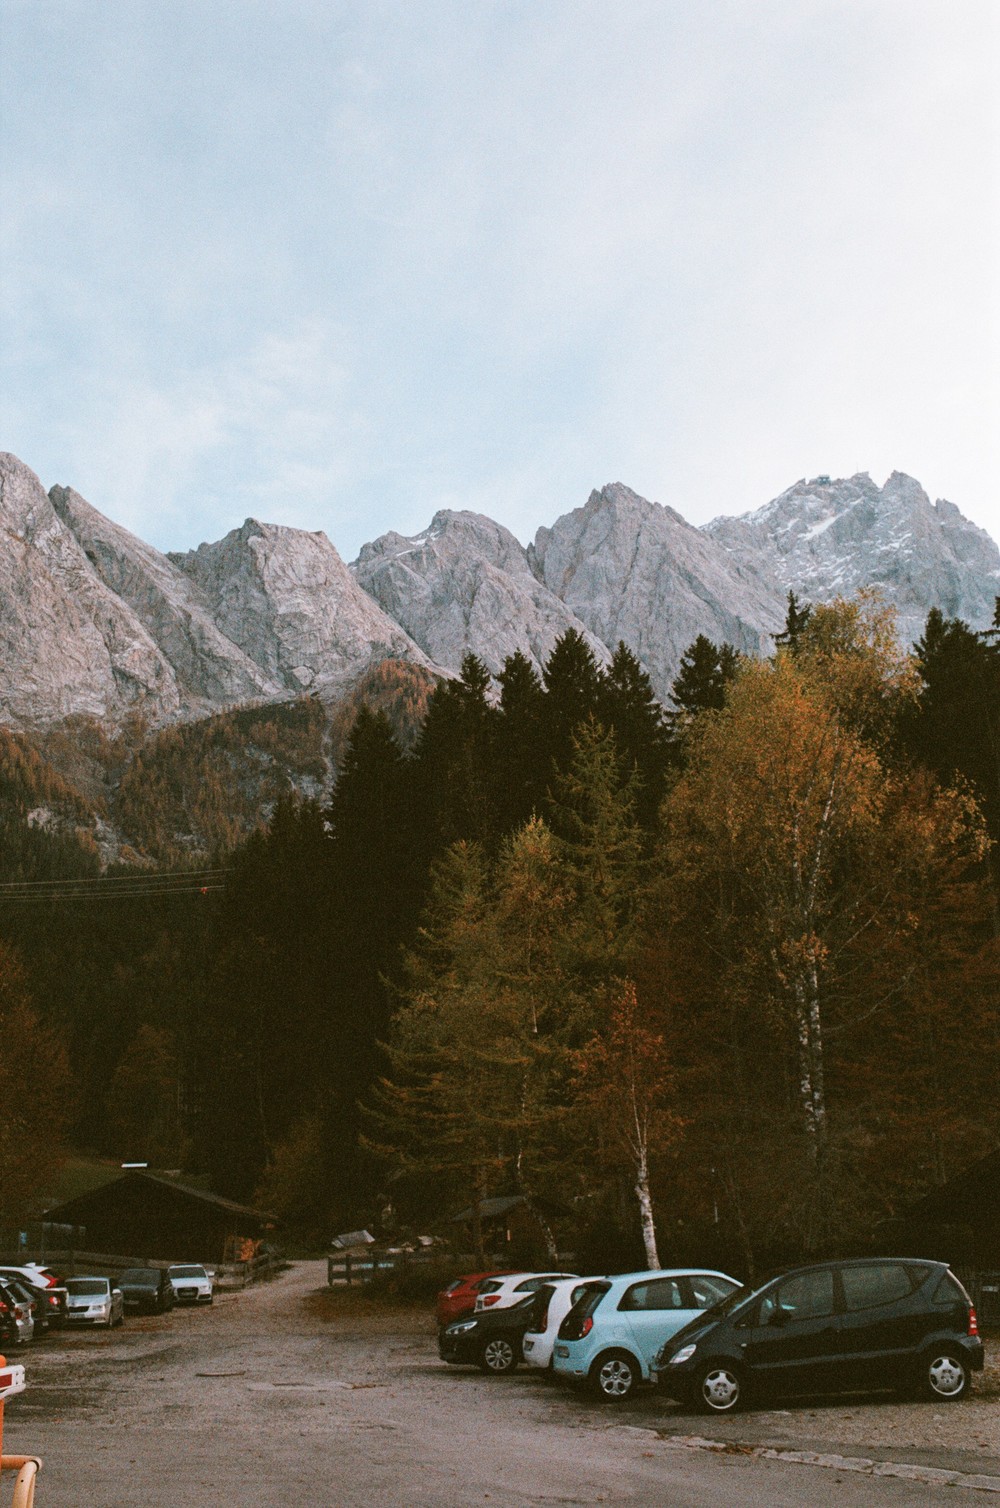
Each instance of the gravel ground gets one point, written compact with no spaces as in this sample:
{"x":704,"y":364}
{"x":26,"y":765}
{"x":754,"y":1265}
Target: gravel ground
{"x":288,"y":1393}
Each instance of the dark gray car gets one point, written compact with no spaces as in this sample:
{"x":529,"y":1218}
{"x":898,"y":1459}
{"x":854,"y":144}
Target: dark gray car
{"x":836,"y":1327}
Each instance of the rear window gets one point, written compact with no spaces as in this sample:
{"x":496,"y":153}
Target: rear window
{"x":490,"y":1287}
{"x":950,"y":1291}
{"x":658,"y":1293}
{"x":589,"y":1300}
{"x":875,"y":1284}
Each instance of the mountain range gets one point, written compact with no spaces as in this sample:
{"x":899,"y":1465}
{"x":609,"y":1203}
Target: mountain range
{"x":94,"y":622}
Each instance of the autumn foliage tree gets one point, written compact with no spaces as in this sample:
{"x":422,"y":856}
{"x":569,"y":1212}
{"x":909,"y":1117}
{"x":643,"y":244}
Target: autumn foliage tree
{"x":625,"y":1094}
{"x":806,"y":864}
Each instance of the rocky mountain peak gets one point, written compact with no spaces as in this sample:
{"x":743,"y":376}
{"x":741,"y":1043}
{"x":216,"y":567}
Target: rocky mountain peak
{"x":633,"y":570}
{"x":286,"y":598}
{"x":464,"y":584}
{"x":828,"y":537}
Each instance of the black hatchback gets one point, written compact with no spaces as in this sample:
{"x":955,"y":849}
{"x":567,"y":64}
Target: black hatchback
{"x":838,"y":1327}
{"x":492,"y":1340}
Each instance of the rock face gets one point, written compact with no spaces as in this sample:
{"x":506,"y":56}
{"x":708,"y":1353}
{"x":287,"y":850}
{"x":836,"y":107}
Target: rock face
{"x":464,"y":585}
{"x":68,"y":643}
{"x":209,"y":669}
{"x":93,"y":621}
{"x":826,"y":538}
{"x":286,"y":598}
{"x":636,"y":571}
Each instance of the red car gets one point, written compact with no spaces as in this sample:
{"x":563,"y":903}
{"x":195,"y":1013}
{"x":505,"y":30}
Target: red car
{"x":460,"y":1297}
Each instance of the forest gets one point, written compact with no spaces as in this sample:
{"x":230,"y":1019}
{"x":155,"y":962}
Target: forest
{"x":714,"y":981}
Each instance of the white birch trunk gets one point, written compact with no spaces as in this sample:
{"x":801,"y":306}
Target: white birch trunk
{"x":646,"y":1210}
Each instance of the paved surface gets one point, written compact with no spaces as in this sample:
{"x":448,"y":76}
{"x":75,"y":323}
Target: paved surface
{"x":267,"y":1398}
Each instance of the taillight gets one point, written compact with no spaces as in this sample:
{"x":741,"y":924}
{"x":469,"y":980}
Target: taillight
{"x":4,"y":1308}
{"x":973,"y":1322}
{"x":586,"y":1327}
{"x":492,"y":1298}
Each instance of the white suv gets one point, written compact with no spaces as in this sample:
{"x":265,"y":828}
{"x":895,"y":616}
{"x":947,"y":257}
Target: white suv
{"x":191,"y":1283}
{"x":500,"y":1293}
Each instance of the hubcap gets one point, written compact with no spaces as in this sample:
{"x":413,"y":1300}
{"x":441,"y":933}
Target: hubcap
{"x":946,"y":1376}
{"x":498,"y":1355}
{"x":615,"y":1378}
{"x":720,"y":1389}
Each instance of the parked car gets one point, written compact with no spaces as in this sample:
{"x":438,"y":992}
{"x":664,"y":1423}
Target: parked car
{"x":555,"y":1300}
{"x":94,"y":1301}
{"x":17,"y":1324}
{"x":50,"y":1302}
{"x":490,"y":1340}
{"x":500,"y":1293}
{"x":191,"y":1284}
{"x":460,"y":1296}
{"x":618,"y":1325}
{"x":41,"y":1277}
{"x":837,"y":1327}
{"x":147,"y":1289}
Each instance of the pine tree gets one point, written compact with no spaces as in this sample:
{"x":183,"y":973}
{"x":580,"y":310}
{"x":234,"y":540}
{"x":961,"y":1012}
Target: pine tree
{"x":628,"y":707}
{"x":572,"y":680}
{"x":796,"y":620}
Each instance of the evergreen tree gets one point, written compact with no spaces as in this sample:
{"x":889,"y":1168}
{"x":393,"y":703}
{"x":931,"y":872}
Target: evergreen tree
{"x":628,"y":706}
{"x":453,"y":761}
{"x":521,"y":770}
{"x":796,"y":619}
{"x":572,"y":680}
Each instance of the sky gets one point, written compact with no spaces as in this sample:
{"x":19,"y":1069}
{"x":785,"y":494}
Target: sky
{"x":337,"y":264}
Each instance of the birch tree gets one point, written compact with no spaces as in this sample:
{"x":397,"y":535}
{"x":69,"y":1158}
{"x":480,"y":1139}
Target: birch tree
{"x":796,"y":831}
{"x":625,"y":1084}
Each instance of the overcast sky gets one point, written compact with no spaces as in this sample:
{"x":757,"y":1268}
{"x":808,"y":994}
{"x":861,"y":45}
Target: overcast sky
{"x":340,"y":264}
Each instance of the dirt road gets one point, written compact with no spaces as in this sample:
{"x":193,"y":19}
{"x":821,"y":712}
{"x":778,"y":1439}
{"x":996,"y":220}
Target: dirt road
{"x":266,"y":1399}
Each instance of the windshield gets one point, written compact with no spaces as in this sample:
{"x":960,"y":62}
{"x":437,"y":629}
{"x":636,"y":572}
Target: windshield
{"x":91,"y":1286}
{"x":141,"y":1277}
{"x":732,"y":1301}
{"x":188,"y":1272}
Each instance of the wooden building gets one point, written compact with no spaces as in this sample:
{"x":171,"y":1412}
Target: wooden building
{"x":144,"y":1214}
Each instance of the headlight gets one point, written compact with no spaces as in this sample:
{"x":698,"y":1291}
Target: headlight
{"x":684,"y":1354}
{"x":462,"y":1328}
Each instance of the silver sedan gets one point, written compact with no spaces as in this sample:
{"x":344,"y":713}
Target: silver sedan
{"x":93,"y":1301}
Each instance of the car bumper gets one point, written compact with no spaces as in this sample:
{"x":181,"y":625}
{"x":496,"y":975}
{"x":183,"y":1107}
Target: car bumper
{"x":458,"y":1350}
{"x":192,"y":1295}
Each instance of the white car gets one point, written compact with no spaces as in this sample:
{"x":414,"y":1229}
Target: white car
{"x":93,"y":1301}
{"x":500,"y":1293}
{"x":537,"y":1344}
{"x":18,"y":1306}
{"x":191,"y":1283}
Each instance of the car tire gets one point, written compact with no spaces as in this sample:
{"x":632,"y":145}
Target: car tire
{"x":944,"y":1375}
{"x":614,"y":1375}
{"x":719,"y":1388}
{"x":498,"y":1356}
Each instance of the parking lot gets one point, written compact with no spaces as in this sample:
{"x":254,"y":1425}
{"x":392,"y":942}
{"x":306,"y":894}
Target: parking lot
{"x":289,"y":1393}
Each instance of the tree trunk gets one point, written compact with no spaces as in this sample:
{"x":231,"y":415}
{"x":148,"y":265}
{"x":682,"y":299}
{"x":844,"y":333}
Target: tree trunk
{"x":812,"y":1097}
{"x":646,"y":1210}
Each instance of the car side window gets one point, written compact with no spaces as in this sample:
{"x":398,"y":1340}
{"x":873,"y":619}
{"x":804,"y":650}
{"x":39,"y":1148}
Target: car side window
{"x":807,"y":1295}
{"x":660,"y":1293}
{"x":708,"y":1291}
{"x":875,"y":1284}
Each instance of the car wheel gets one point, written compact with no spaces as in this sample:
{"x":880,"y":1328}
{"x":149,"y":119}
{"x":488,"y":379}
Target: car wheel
{"x":945,"y":1375}
{"x":718,"y":1389}
{"x":614,"y":1376}
{"x":498,"y":1356}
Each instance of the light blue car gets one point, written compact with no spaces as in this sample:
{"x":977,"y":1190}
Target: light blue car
{"x":613,"y":1332}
